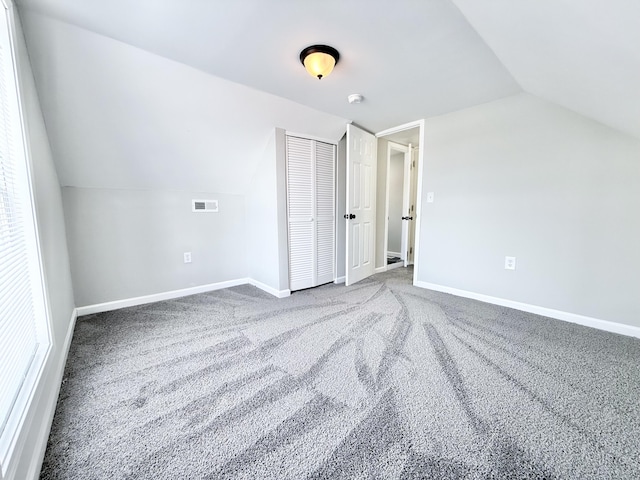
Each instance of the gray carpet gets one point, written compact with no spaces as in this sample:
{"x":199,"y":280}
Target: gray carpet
{"x":379,"y":380}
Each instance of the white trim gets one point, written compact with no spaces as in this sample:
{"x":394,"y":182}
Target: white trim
{"x":381,"y":269}
{"x":395,"y":265}
{"x":185,"y":292}
{"x":268,"y":289}
{"x":385,"y":241}
{"x":52,"y":401}
{"x":311,"y":137}
{"x":340,"y":279}
{"x":395,"y":254}
{"x":418,"y":213}
{"x":401,"y":128}
{"x":20,"y":416}
{"x":158,"y":297}
{"x":34,"y":453}
{"x":605,"y":325}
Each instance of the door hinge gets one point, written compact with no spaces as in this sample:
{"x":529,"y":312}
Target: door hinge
{"x":411,"y":251}
{"x":413,"y":164}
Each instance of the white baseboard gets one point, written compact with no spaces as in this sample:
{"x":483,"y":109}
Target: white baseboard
{"x":158,"y":297}
{"x":381,"y":269}
{"x":184,"y":292}
{"x":605,"y":325}
{"x":51,"y":400}
{"x":268,"y":289}
{"x":394,"y":254}
{"x":340,"y":279}
{"x":395,"y":265}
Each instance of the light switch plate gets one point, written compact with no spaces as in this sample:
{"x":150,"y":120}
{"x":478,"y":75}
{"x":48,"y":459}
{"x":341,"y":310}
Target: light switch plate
{"x":429,"y":197}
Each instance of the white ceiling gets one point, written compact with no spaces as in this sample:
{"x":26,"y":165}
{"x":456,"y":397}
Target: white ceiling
{"x":120,"y":117}
{"x":160,"y":93}
{"x":581,"y":54}
{"x":410,"y":60}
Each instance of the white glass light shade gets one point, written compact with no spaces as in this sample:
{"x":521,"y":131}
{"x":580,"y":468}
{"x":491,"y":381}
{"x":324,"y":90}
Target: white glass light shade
{"x":319,"y":64}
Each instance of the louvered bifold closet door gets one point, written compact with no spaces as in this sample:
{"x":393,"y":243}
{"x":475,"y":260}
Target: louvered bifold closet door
{"x":300,"y":201}
{"x":311,"y":212}
{"x":325,"y":212}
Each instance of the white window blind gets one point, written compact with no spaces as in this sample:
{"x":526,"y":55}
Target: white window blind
{"x":23,"y":322}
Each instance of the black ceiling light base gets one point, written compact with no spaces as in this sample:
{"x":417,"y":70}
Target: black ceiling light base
{"x":326,"y":49}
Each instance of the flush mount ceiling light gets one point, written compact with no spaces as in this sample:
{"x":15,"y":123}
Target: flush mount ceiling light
{"x":319,"y":60}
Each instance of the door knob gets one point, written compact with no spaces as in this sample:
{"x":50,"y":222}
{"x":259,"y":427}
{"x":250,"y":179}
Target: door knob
{"x":349,"y":216}
{"x":407,"y":218}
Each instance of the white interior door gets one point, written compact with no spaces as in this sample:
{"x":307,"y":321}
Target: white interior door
{"x":361,"y":204}
{"x":311,"y":212}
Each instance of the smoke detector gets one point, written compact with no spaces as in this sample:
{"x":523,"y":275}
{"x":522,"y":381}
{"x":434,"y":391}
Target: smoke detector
{"x":355,"y":98}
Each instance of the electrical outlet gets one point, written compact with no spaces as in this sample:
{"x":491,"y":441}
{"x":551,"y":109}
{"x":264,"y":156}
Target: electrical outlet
{"x":187,"y":257}
{"x":510,"y":263}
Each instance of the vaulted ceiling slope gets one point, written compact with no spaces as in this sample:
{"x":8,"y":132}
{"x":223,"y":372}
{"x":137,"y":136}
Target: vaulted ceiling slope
{"x":120,"y":117}
{"x":581,"y":54}
{"x":409,"y":58}
{"x":183,"y":94}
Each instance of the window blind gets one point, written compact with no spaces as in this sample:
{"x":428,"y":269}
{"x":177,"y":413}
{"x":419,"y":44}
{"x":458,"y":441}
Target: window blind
{"x":18,"y":336}
{"x":23,"y":322}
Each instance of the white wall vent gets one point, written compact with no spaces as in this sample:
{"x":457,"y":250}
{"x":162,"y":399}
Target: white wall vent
{"x":204,"y":205}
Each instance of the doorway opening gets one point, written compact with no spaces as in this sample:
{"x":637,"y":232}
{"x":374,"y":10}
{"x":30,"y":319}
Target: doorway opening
{"x":398,"y":196}
{"x":363,"y":242}
{"x":397,"y":204}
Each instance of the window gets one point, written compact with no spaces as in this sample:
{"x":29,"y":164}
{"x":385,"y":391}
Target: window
{"x":24,"y":337}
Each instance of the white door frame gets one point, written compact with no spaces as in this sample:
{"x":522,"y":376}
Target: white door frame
{"x":413,"y":152}
{"x":406,"y":205}
{"x":401,"y":128}
{"x":396,"y":147}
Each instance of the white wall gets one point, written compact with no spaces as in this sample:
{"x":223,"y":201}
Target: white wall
{"x":130,"y":243}
{"x":396,"y":186}
{"x":267,"y":229}
{"x":525,"y":178}
{"x":267,"y":252}
{"x":135,"y":136}
{"x":121,"y":117}
{"x":53,"y":244}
